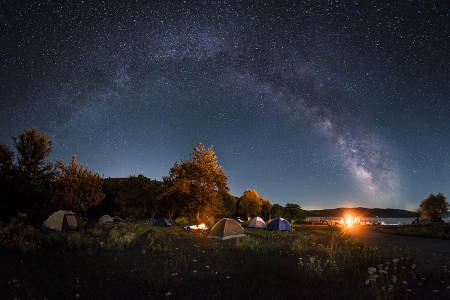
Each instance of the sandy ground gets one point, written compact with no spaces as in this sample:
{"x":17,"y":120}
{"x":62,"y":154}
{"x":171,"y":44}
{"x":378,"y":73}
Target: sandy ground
{"x":385,"y":241}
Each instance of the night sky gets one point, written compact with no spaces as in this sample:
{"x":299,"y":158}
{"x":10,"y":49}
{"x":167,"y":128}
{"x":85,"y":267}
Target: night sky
{"x":320,"y":103}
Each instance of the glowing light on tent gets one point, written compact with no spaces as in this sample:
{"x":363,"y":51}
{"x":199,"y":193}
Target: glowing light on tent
{"x":201,"y":226}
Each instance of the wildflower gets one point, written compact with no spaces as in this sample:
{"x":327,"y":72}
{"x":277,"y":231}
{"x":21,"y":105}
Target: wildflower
{"x":195,"y":271}
{"x":371,"y":270}
{"x":168,"y":294}
{"x":382,"y":271}
{"x":228,"y":277}
{"x":174,"y":274}
{"x":413,"y":266}
{"x":207,"y":267}
{"x":394,"y":279}
{"x":404,"y":282}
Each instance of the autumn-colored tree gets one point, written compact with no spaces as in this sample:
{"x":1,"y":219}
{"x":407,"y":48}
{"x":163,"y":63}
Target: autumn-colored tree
{"x":34,"y":173}
{"x":201,"y":178}
{"x":77,"y":187}
{"x":174,"y":196}
{"x":434,"y":207}
{"x":249,"y":204}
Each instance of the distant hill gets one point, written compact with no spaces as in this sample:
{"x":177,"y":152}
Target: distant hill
{"x":362,"y":212}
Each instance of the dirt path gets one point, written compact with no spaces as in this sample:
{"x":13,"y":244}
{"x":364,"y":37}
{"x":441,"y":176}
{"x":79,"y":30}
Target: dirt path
{"x":385,"y":241}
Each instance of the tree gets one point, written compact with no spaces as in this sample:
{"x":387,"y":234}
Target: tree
{"x":77,"y":187}
{"x":34,"y":173}
{"x":6,"y":181}
{"x":201,"y":178}
{"x":434,"y":207}
{"x":228,"y":201}
{"x":266,"y":208}
{"x":136,"y":197}
{"x":293,"y":212}
{"x":277,"y":211}
{"x":249,"y":205}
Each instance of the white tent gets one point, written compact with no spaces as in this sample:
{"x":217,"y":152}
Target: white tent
{"x":257,"y":222}
{"x":63,"y":220}
{"x":105,"y":219}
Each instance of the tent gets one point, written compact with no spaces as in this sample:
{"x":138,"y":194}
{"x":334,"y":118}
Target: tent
{"x":257,"y":222}
{"x":226,"y":229}
{"x":117,"y":219}
{"x":279,"y":224}
{"x":105,"y":219}
{"x":63,"y":220}
{"x":162,"y":222}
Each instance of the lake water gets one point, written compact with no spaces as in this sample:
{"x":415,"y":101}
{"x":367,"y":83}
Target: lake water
{"x":384,"y":221}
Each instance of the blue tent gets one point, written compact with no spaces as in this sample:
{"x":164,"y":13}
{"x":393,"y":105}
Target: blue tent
{"x":279,"y":224}
{"x":162,"y":222}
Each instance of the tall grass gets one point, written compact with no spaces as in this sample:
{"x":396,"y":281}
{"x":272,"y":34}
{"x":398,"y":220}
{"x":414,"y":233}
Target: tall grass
{"x":136,"y":260}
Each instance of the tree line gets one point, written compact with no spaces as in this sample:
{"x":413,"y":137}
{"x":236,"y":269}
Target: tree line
{"x":195,"y":188}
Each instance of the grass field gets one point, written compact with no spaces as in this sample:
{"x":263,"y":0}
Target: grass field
{"x":433,"y":230}
{"x":137,"y":261}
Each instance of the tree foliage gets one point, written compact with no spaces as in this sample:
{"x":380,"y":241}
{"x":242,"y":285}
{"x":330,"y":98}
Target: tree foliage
{"x":6,"y":180}
{"x":228,"y":207}
{"x":200,"y":178}
{"x":293,"y":212}
{"x":266,"y":209}
{"x":249,"y":204}
{"x":277,"y":211}
{"x":137,"y":197}
{"x":434,"y":207}
{"x":77,"y":187}
{"x":34,"y":173}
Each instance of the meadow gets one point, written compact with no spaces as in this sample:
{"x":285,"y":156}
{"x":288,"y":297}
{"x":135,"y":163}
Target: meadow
{"x":138,"y":261}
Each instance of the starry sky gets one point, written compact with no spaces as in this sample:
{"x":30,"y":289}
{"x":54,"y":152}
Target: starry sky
{"x":320,"y":103}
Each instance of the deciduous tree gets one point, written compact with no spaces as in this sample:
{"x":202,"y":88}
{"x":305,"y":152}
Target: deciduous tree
{"x":434,"y":207}
{"x":277,"y":211}
{"x":201,"y":178}
{"x":249,"y":205}
{"x":77,"y":187}
{"x":266,"y":208}
{"x":293,"y":211}
{"x":6,"y":181}
{"x":34,"y":173}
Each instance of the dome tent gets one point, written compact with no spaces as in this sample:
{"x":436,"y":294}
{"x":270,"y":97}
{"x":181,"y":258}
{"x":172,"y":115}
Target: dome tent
{"x":105,"y":219}
{"x":163,"y":222}
{"x":279,"y":224}
{"x":226,"y":229}
{"x":63,"y":220}
{"x":257,"y":222}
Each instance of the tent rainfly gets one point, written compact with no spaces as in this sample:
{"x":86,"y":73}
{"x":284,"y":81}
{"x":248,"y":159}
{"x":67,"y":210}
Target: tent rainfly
{"x":63,"y":220}
{"x":226,"y":229}
{"x":257,"y":222}
{"x":279,"y":224}
{"x":162,"y":222}
{"x":105,"y":219}
{"x":117,"y":219}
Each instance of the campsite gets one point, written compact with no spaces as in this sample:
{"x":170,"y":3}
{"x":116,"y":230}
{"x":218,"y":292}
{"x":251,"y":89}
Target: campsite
{"x":136,"y":260}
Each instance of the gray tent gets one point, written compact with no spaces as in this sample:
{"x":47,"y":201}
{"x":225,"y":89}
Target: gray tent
{"x":63,"y":220}
{"x":226,"y":229}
